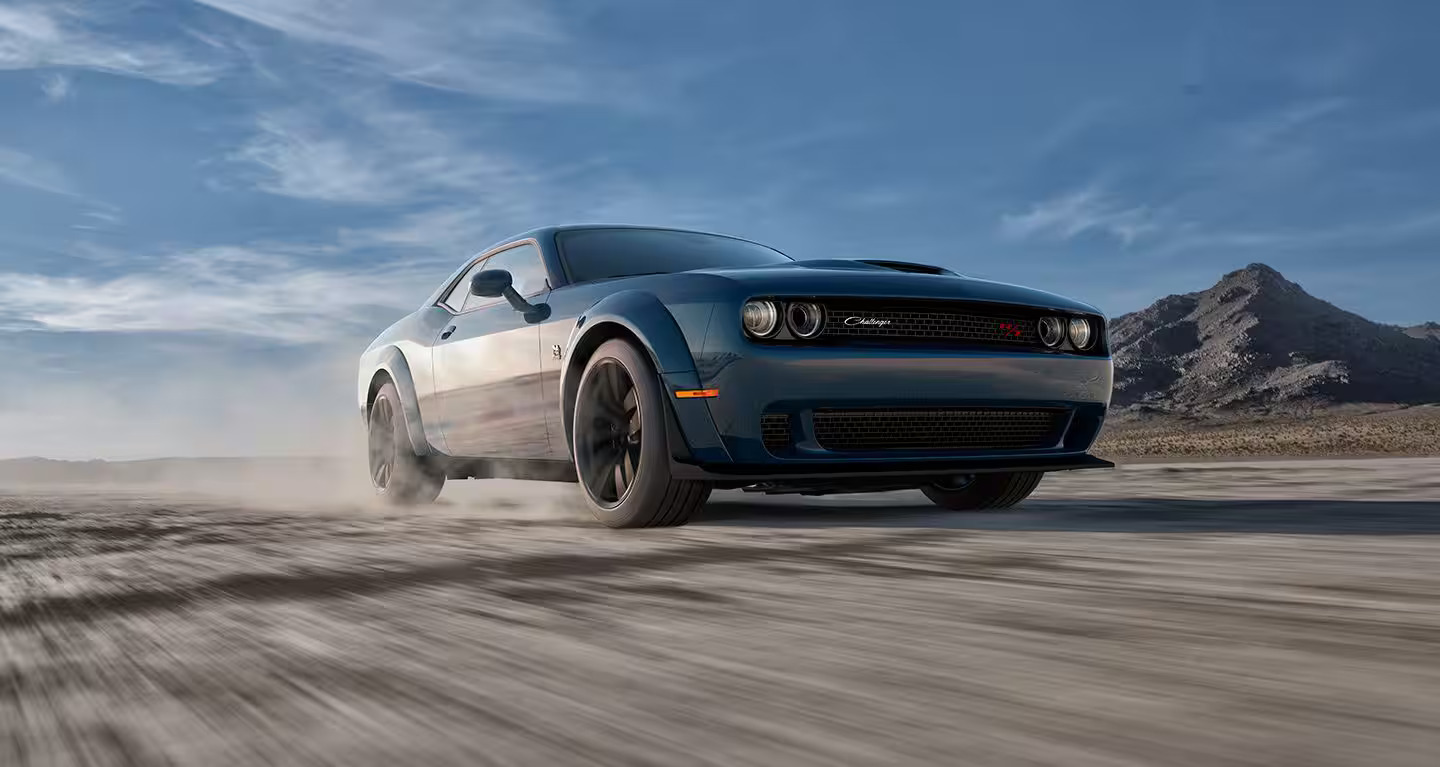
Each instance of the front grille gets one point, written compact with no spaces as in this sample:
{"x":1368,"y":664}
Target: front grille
{"x":937,"y":429}
{"x":929,"y":322}
{"x":775,"y":431}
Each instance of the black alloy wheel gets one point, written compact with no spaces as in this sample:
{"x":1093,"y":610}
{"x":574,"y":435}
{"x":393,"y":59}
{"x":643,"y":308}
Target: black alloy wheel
{"x":399,"y":475}
{"x":620,"y":445}
{"x":981,"y":492}
{"x":608,"y":458}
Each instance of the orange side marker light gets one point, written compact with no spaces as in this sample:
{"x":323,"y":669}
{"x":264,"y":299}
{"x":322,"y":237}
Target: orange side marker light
{"x":694,"y":393}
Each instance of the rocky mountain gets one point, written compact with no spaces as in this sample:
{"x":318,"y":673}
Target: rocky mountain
{"x":1258,"y":340}
{"x":1427,"y":330}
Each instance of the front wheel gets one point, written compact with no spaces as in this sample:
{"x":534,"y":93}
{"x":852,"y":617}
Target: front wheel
{"x":621,"y":455}
{"x":978,"y":492}
{"x":400,"y":477}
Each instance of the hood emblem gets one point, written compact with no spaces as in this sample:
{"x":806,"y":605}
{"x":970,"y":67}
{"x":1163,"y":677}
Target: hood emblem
{"x":875,"y":321}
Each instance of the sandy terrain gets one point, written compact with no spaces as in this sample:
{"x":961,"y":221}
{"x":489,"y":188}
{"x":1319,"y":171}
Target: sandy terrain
{"x":1275,"y":613}
{"x":1352,"y":430}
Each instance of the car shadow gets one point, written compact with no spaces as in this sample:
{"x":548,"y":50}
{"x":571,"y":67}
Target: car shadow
{"x":1130,"y":515}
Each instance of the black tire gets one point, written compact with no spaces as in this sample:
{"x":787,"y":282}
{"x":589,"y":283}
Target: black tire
{"x":619,"y":444}
{"x":984,"y":491}
{"x":400,"y":477}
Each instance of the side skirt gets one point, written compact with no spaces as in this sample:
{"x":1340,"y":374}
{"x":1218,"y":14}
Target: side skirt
{"x":542,"y":469}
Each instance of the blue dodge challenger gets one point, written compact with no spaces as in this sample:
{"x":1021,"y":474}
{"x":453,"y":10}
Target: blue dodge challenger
{"x":652,"y":365}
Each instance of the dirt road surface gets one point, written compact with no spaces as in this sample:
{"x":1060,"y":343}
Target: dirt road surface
{"x":1267,"y":613}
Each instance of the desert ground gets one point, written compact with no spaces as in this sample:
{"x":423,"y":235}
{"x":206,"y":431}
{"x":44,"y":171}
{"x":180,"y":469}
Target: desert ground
{"x":1350,"y":430}
{"x":1219,"y":613}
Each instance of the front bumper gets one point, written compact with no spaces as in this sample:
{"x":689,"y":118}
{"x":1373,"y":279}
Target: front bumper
{"x":763,"y":379}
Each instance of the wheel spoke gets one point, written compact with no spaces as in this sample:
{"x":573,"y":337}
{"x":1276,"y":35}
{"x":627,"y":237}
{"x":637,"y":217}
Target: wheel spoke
{"x":607,"y":408}
{"x":620,"y":483}
{"x":630,"y":462}
{"x":612,"y":391}
{"x":615,"y":404}
{"x":595,"y":475}
{"x":382,"y":444}
{"x":612,"y":484}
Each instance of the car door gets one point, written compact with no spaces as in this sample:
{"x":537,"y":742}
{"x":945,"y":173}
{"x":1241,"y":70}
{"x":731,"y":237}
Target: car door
{"x":487,"y":366}
{"x":566,"y":305}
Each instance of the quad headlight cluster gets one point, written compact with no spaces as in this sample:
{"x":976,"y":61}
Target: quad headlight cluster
{"x":769,"y":318}
{"x":762,"y":318}
{"x":1054,"y":330}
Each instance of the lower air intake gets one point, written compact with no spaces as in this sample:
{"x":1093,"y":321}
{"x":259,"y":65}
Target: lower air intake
{"x":938,"y":429}
{"x":775,"y":431}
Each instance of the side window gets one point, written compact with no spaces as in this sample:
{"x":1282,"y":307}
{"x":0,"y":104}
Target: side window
{"x":455,"y":299}
{"x":526,"y":269}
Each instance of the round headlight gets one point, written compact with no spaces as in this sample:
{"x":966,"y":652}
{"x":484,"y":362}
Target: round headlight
{"x":1052,"y":331}
{"x":806,"y":319}
{"x":761,"y":318}
{"x":1081,"y":336}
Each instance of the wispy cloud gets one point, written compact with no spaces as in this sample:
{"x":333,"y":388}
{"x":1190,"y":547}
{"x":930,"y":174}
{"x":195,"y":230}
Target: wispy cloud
{"x":1085,"y":211}
{"x":303,"y":161}
{"x":1418,"y":225}
{"x":278,"y":296}
{"x":1069,"y":126}
{"x":107,"y":219}
{"x":447,"y":231}
{"x":365,"y":151}
{"x":511,"y":49}
{"x":57,"y":87}
{"x":17,"y":167}
{"x":71,"y":35}
{"x":1269,"y":127}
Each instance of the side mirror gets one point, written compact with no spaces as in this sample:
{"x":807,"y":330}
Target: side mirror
{"x":491,"y":283}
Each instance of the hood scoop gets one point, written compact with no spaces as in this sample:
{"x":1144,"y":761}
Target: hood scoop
{"x":909,"y":266}
{"x":868,"y":264}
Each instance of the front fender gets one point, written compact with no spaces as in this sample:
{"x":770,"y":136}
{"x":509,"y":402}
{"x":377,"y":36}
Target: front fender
{"x":645,"y":317}
{"x":393,"y":362}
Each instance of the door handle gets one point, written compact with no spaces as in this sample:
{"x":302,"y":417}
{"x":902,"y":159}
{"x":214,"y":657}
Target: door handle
{"x":448,"y":332}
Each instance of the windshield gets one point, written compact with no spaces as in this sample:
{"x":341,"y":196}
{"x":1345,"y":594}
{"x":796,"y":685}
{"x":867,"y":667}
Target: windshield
{"x":599,"y":254}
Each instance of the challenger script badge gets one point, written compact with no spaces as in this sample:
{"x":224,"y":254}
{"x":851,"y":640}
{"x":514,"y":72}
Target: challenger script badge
{"x":853,"y":321}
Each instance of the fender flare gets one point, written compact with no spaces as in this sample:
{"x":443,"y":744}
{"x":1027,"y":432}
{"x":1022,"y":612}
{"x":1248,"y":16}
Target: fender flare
{"x":648,"y":319}
{"x":645,"y":317}
{"x":392,"y":361}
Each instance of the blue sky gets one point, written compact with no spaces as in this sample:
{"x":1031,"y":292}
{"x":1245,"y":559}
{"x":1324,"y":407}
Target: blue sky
{"x":239,"y":193}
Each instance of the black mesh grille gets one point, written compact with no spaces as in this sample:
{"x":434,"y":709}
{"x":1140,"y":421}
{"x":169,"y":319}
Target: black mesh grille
{"x":775,"y":431}
{"x":928,"y":322}
{"x":937,"y":429}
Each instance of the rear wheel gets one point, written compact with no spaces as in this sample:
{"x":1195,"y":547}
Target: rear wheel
{"x":978,"y":492}
{"x":399,"y":476}
{"x":621,"y":455}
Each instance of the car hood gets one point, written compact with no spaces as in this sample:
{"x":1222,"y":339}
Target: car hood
{"x":836,"y":277}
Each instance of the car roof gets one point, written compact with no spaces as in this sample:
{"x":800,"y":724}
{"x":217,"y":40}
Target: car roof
{"x":550,"y":231}
{"x":546,"y":235}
